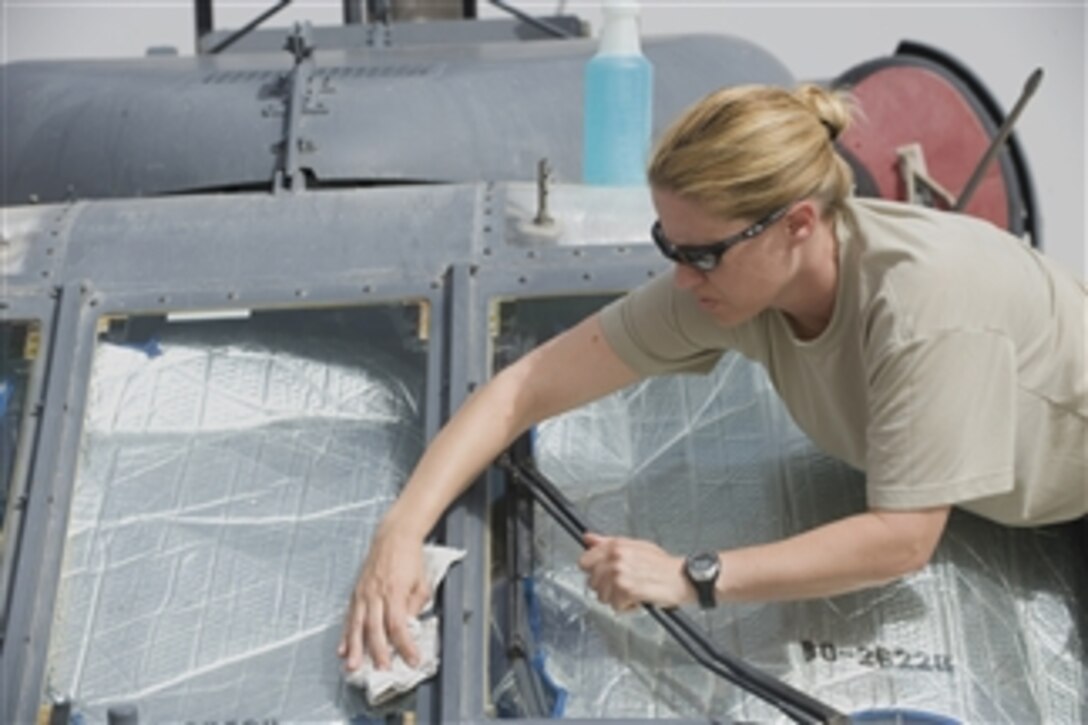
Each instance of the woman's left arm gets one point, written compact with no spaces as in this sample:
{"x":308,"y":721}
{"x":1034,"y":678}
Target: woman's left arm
{"x":857,"y":552}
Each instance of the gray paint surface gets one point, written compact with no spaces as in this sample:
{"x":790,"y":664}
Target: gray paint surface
{"x":109,"y":129}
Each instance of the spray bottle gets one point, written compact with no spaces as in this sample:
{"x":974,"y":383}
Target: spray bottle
{"x":618,"y":102}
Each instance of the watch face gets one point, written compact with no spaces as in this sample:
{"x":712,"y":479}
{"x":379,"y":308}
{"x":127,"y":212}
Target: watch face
{"x":703,"y":567}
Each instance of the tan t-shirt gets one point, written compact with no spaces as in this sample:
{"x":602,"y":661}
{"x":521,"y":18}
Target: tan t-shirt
{"x":953,"y":370}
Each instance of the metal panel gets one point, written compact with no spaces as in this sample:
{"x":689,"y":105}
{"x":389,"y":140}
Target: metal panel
{"x":36,"y":308}
{"x":158,"y":256}
{"x":465,"y":614}
{"x":44,"y":553}
{"x":46,"y":511}
{"x":107,"y":129}
{"x":238,"y":244}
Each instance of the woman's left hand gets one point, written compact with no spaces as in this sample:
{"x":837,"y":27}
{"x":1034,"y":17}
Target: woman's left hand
{"x":628,"y":572}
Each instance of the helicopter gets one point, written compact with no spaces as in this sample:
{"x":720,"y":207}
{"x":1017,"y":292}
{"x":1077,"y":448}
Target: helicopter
{"x":242,"y":289}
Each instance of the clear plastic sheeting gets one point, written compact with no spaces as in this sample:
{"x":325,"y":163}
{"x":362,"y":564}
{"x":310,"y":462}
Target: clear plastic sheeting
{"x":990,"y":631}
{"x":229,"y":481}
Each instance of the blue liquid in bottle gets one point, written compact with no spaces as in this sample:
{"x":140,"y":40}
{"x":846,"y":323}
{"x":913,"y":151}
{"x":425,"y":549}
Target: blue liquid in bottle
{"x":618,"y":104}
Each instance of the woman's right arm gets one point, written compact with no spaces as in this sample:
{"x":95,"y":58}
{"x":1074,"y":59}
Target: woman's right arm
{"x":571,"y":369}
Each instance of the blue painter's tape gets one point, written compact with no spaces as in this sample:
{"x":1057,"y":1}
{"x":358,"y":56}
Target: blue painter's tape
{"x":149,"y":347}
{"x":555,"y":690}
{"x":7,"y":392}
{"x":902,"y":716}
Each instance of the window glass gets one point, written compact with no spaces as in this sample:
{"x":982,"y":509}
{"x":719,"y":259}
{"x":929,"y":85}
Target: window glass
{"x":230,"y":475}
{"x":18,"y":348}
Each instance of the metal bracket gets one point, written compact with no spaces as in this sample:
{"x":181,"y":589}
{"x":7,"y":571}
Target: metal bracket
{"x":32,"y":344}
{"x":494,"y":318}
{"x":543,"y":188}
{"x":423,"y":330}
{"x":299,"y":101}
{"x":921,"y":188}
{"x":379,"y":35}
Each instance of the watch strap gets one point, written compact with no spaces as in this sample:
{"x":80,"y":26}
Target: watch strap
{"x":705,"y":590}
{"x":704,"y":586}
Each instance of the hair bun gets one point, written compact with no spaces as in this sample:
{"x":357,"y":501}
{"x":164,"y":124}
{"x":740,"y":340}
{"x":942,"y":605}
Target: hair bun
{"x":832,"y":108}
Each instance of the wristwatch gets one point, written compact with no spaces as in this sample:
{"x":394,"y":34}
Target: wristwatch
{"x":702,"y":571}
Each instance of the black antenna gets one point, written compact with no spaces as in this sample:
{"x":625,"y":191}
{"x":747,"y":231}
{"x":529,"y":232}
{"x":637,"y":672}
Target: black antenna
{"x":999,"y":139}
{"x":234,"y":37}
{"x":205,"y":23}
{"x":353,"y":12}
{"x":796,"y":705}
{"x":538,"y":23}
{"x":379,"y":11}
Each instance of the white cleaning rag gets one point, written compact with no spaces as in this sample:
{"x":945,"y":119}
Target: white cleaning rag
{"x":383,"y":685}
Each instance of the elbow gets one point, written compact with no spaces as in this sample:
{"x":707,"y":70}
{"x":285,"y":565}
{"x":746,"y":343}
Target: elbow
{"x":912,"y":539}
{"x":914,"y":556}
{"x":902,"y":560}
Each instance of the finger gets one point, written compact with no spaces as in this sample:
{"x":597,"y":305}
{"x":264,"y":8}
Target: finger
{"x":345,"y":632}
{"x":601,"y":583}
{"x":605,"y":594}
{"x":418,"y":598}
{"x":357,"y":616}
{"x":376,"y":644}
{"x":402,"y":636}
{"x":595,"y":578}
{"x":591,"y":539}
{"x":597,"y":553}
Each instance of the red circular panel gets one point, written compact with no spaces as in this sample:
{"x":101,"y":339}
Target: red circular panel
{"x":908,"y":104}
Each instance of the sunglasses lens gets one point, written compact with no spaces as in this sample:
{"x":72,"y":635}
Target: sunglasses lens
{"x":706,"y":262}
{"x":702,"y":261}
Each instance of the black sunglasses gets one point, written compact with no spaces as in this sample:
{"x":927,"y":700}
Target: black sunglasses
{"x":705,"y":257}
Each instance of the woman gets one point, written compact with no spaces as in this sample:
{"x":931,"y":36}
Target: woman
{"x":932,"y":350}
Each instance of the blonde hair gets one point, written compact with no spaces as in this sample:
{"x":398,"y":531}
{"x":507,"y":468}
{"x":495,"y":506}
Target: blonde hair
{"x":743,"y":152}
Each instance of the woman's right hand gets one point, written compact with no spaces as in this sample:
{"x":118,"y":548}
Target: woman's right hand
{"x":390,"y":589}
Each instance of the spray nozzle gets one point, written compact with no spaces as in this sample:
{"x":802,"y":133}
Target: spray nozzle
{"x":621,"y":7}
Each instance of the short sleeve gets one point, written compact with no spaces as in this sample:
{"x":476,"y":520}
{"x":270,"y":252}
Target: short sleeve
{"x":942,"y":420}
{"x":646,"y":328}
